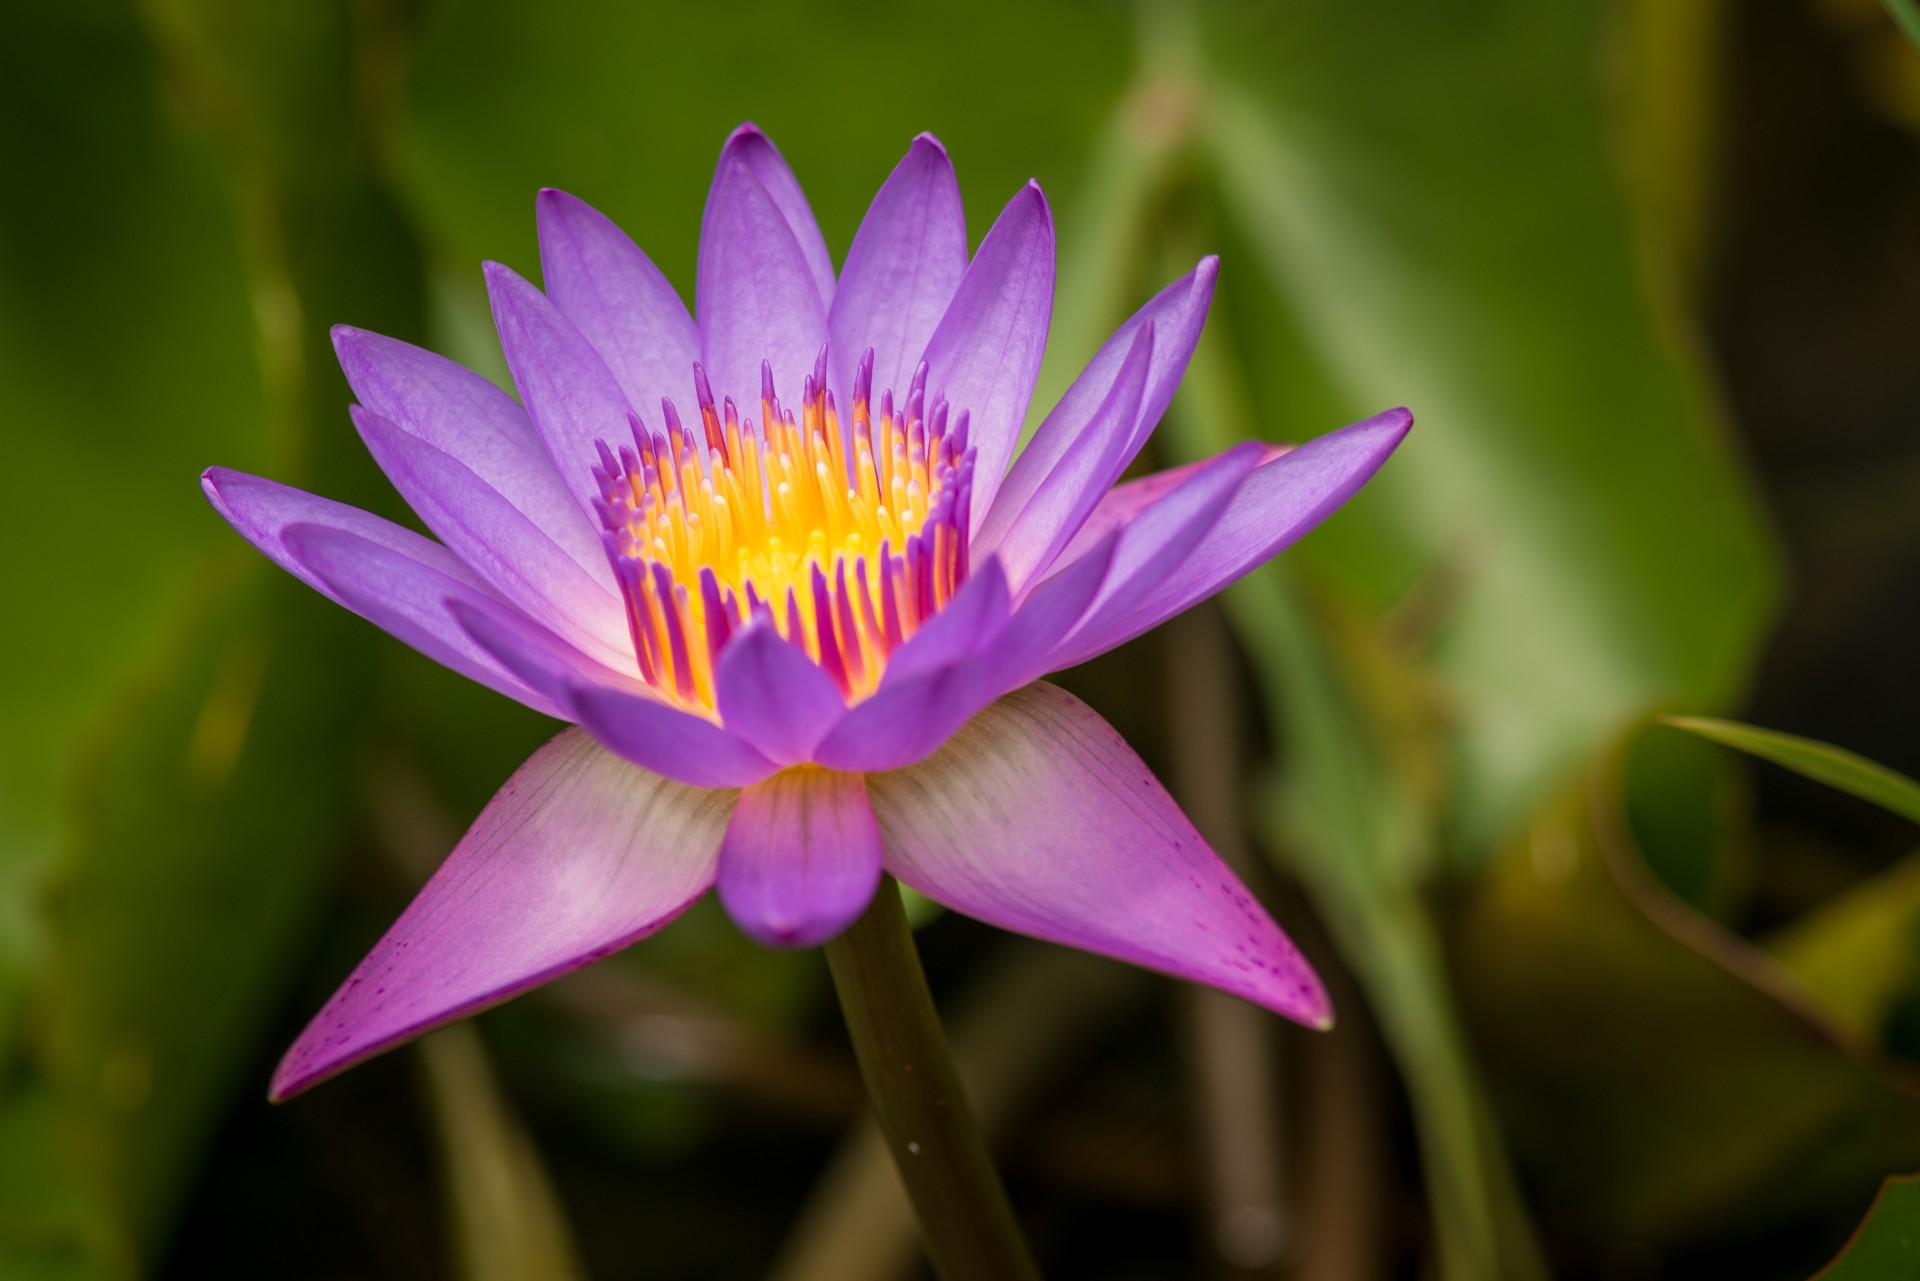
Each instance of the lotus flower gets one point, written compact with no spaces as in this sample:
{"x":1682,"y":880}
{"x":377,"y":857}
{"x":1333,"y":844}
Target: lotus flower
{"x":799,"y":642}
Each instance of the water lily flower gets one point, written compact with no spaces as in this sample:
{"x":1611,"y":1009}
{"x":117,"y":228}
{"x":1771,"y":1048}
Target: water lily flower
{"x":799,"y":641}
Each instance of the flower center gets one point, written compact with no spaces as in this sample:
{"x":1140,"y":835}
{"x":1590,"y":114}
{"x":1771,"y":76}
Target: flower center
{"x":846,"y":543}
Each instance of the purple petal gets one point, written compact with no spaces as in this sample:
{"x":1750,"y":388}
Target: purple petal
{"x":773,"y":696}
{"x":536,"y":655}
{"x":462,"y":414}
{"x":932,"y":684}
{"x":763,"y":160}
{"x":1279,"y":501}
{"x":598,"y":278}
{"x":261,"y":510}
{"x":907,"y":721}
{"x":1155,"y":543}
{"x":966,"y":626}
{"x":755,"y":297}
{"x":1176,"y":315}
{"x":1060,"y":504}
{"x":1038,"y":818}
{"x":985,"y":355}
{"x":801,"y":857}
{"x":407,"y":598}
{"x":569,"y":393}
{"x":490,"y":534}
{"x":577,"y":856}
{"x":902,"y":271}
{"x":1049,"y":613}
{"x":660,"y":737}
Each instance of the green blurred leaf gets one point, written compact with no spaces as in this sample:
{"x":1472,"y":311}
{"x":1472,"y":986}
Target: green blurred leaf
{"x":1664,"y":1080}
{"x":1822,"y":762}
{"x":1857,"y":955}
{"x":1453,"y":238}
{"x":1887,"y":1245}
{"x":1907,"y":14}
{"x":507,"y":1222}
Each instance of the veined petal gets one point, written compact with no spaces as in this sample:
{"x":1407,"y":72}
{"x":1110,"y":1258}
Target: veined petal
{"x":660,"y":737}
{"x":755,"y":298}
{"x":1037,"y":817}
{"x":1060,"y":504}
{"x":902,"y":271}
{"x":568,"y":390}
{"x":578,"y":855}
{"x":494,"y":537}
{"x":985,"y":355}
{"x":774,"y":696}
{"x":1154,"y":543}
{"x":598,"y":278}
{"x":1048,"y":614}
{"x":801,"y":857}
{"x":407,"y":598}
{"x":1279,"y":501}
{"x":1176,"y":314}
{"x":536,"y":655}
{"x":462,"y":414}
{"x":763,"y":160}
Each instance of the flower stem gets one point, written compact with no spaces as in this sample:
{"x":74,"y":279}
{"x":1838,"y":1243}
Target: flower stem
{"x":965,"y":1221}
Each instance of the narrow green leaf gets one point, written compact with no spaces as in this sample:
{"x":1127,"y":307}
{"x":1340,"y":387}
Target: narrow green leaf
{"x":1856,"y":954}
{"x":1821,"y":762}
{"x":1907,"y":14}
{"x":1886,"y":1246}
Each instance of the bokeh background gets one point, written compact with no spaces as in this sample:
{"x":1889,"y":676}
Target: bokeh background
{"x":1615,"y":1002}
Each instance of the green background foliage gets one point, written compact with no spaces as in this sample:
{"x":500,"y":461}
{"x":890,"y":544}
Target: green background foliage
{"x":1625,"y":1006}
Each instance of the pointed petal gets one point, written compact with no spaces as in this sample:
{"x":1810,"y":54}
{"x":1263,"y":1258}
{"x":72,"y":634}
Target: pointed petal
{"x":1176,"y":314}
{"x":902,"y":271}
{"x":801,"y":857}
{"x":569,"y":393}
{"x":660,"y":737}
{"x":755,"y":298}
{"x":1046,"y":617}
{"x":908,"y":720}
{"x":763,"y":160}
{"x":1038,"y":818}
{"x":578,"y":855}
{"x":462,"y":414}
{"x":773,"y":696}
{"x":985,"y":355}
{"x":261,"y":511}
{"x":932,"y":684}
{"x":1060,"y":504}
{"x":406,"y":598}
{"x":1155,"y":543}
{"x":490,"y":534}
{"x":1279,"y":501}
{"x":598,"y":278}
{"x":536,"y":656}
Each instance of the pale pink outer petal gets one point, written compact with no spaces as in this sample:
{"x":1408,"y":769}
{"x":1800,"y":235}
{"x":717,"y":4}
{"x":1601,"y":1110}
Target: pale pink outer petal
{"x":617,"y":298}
{"x":902,"y":271}
{"x":985,"y":355}
{"x":568,"y":390}
{"x":462,"y":414}
{"x":577,"y":856}
{"x":1177,"y":315}
{"x":801,"y":857}
{"x":754,"y":299}
{"x":1279,"y":501}
{"x":748,"y":146}
{"x":1037,"y":817}
{"x":490,"y":534}
{"x":773,"y":696}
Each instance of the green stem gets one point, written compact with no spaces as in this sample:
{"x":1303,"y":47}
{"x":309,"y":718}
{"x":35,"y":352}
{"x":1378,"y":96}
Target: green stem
{"x":965,"y":1220}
